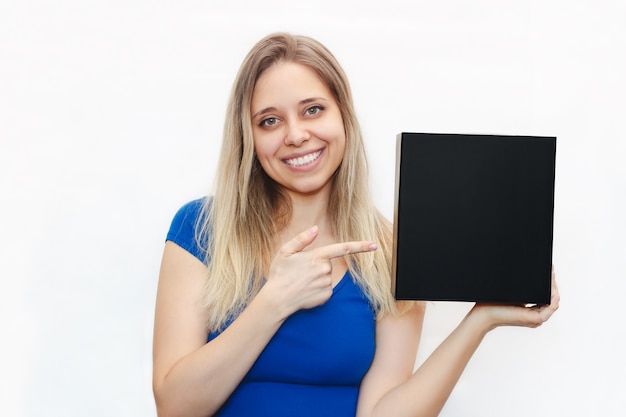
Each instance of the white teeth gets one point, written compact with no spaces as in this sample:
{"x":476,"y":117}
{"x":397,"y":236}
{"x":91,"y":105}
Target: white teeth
{"x":303,"y":160}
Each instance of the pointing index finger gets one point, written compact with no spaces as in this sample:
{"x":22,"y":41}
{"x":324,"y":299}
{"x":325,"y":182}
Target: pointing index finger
{"x":346,"y":248}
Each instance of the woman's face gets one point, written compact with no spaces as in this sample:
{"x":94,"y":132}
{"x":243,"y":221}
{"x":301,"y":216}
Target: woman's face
{"x":299,"y":137}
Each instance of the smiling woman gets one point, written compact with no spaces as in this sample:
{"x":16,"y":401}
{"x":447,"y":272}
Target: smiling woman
{"x":274,"y":294}
{"x":298,"y":132}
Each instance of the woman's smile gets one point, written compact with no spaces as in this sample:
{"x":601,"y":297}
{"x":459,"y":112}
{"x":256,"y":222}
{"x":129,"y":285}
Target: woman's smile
{"x":304,"y":160}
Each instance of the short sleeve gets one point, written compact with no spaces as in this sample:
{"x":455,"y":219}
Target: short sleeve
{"x":183,"y":229}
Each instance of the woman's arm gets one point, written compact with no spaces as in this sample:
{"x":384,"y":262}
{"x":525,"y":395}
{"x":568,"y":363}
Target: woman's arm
{"x":194,"y":378}
{"x":389,"y":389}
{"x":190,"y":376}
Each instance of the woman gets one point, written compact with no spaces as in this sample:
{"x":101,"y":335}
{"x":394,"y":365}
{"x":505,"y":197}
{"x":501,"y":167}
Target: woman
{"x":274,"y":294}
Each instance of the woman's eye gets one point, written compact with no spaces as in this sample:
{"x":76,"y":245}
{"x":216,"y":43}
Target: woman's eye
{"x":312,"y":111}
{"x":270,"y":121}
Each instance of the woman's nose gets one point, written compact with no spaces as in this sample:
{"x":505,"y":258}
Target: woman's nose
{"x":297,"y":133}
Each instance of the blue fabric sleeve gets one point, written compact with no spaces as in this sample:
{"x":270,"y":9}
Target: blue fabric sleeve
{"x":183,"y":229}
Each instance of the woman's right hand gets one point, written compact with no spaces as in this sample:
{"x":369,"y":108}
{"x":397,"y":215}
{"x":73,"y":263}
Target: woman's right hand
{"x":194,"y":378}
{"x":301,"y":278}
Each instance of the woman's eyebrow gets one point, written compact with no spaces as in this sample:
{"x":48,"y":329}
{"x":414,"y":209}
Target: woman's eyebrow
{"x":312,"y":99}
{"x":263,"y":111}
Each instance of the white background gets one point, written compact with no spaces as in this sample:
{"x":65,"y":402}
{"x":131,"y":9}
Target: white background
{"x":111,"y":115}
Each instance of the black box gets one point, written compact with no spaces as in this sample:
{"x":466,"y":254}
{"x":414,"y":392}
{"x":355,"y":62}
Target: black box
{"x":474,"y":218}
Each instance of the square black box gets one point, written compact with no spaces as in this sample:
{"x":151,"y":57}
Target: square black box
{"x":474,"y":218}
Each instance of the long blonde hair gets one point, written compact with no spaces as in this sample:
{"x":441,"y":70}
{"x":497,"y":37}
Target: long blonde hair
{"x":248,"y":209}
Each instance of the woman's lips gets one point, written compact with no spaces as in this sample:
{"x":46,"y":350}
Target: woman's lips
{"x":304,"y":159}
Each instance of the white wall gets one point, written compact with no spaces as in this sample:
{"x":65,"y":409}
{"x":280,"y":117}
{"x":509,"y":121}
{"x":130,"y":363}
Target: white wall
{"x":111,"y":116}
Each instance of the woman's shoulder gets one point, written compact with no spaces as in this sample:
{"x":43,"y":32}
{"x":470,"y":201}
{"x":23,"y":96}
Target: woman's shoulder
{"x":192,"y":207}
{"x":188,"y":213}
{"x":186,"y":227}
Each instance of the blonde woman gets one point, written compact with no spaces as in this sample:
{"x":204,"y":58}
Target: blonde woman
{"x":274,"y":293}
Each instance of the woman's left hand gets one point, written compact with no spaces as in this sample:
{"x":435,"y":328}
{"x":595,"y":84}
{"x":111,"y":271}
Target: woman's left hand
{"x":509,"y":315}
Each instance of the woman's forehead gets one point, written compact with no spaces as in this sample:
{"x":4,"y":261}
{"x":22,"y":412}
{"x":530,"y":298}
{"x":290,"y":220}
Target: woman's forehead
{"x":288,"y":83}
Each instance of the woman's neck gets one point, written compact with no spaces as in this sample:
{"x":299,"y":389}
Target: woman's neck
{"x":308,"y":211}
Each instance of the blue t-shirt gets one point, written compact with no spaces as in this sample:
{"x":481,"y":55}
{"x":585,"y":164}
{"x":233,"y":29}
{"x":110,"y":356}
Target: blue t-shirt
{"x":314,"y":364}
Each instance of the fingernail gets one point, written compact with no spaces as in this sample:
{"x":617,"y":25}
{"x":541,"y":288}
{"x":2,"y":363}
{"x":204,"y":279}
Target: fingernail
{"x":313,"y":230}
{"x":373,"y":246}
